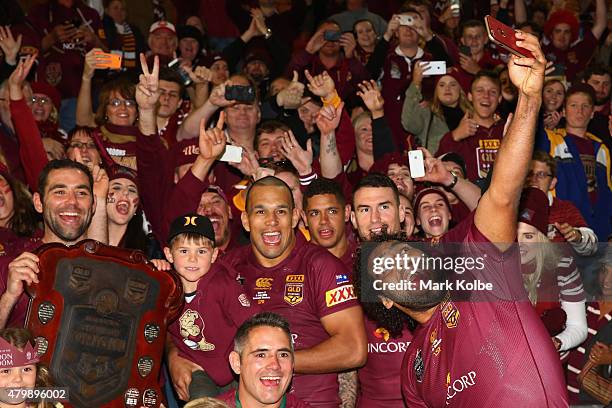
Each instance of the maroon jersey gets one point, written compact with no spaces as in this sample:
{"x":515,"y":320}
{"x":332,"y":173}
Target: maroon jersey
{"x":493,"y":352}
{"x":290,"y":400}
{"x":308,"y":285}
{"x":379,"y":379}
{"x":18,"y":315}
{"x":479,"y":150}
{"x":204,"y":332}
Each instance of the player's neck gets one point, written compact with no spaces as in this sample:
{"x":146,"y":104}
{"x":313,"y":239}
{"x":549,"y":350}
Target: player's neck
{"x":49,"y":237}
{"x":341,"y":247}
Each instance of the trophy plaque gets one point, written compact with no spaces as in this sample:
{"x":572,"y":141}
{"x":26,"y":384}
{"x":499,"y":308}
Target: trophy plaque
{"x":99,"y":316}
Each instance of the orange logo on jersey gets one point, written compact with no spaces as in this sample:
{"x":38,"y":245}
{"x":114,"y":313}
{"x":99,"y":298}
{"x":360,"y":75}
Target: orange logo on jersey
{"x":339,"y":295}
{"x":263,"y":283}
{"x":435,"y":342}
{"x":294,"y":278}
{"x":450,"y":314}
{"x":489,"y":144}
{"x":382,"y":333}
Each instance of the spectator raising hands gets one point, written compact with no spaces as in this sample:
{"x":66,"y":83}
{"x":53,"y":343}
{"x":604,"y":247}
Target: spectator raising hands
{"x":9,"y":45}
{"x":371,"y":96}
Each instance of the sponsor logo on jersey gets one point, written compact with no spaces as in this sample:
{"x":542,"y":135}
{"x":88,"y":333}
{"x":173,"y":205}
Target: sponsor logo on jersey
{"x":263,"y":283}
{"x":340,"y":279}
{"x":388,"y":347}
{"x":419,"y":366}
{"x":450,"y":314}
{"x":382,"y":333}
{"x":294,"y":278}
{"x":339,"y":295}
{"x":244,"y":300}
{"x":435,"y":342}
{"x":459,"y":385}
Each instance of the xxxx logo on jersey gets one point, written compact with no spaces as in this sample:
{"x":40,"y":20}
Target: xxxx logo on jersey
{"x":339,"y":295}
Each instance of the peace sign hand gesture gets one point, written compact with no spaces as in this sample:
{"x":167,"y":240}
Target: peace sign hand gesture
{"x":148,"y":85}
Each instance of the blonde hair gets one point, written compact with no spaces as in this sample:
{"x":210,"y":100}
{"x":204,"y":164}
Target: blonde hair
{"x":546,"y":259}
{"x":206,"y":402}
{"x":464,"y":104}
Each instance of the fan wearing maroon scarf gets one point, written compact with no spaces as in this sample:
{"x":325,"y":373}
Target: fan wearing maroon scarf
{"x":494,"y":352}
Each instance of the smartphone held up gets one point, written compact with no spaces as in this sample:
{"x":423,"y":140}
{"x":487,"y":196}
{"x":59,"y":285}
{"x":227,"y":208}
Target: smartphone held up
{"x":504,"y":36}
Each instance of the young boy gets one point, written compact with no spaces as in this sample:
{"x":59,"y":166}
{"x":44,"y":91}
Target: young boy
{"x":215,"y":306}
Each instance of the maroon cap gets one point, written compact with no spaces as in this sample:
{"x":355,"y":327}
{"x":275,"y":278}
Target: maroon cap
{"x":465,"y":80}
{"x":185,"y":152}
{"x":46,"y":89}
{"x":533,"y":209}
{"x":426,"y":191}
{"x":562,"y":16}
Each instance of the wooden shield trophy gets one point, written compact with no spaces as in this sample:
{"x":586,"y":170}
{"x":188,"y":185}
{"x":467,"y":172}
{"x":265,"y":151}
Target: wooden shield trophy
{"x":99,"y":315}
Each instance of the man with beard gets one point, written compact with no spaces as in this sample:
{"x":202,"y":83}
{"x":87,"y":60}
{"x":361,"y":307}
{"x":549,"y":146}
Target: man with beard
{"x":214,"y":205}
{"x":478,"y":140}
{"x":306,"y":285}
{"x":493,"y":349}
{"x":66,"y":200}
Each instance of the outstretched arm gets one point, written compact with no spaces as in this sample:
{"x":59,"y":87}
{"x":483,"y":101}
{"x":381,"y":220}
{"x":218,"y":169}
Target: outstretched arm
{"x":601,"y":18}
{"x":500,"y":201}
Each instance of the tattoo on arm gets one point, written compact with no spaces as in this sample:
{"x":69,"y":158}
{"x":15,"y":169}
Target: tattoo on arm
{"x":349,"y":384}
{"x":331,"y":146}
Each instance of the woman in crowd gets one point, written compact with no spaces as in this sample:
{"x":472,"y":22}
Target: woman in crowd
{"x":550,"y":275}
{"x":553,"y":96}
{"x":366,"y":40}
{"x":448,"y":107}
{"x":122,"y":38}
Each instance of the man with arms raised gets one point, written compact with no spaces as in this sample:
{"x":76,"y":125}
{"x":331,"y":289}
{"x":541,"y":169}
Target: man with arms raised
{"x":298,"y":280}
{"x":495,"y":351}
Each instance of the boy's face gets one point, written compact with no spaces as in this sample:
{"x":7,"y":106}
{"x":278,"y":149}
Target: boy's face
{"x":191,"y":258}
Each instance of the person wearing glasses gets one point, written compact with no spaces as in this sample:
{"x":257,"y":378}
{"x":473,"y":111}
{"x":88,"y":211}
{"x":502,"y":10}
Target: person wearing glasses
{"x":565,"y":223}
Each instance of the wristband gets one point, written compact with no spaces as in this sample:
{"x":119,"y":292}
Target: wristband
{"x":333,"y":101}
{"x":454,"y":182}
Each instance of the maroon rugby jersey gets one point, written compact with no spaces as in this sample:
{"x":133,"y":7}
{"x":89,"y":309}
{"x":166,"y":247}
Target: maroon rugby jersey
{"x":204,"y":332}
{"x":479,"y":150}
{"x":494,"y":352}
{"x":308,"y":285}
{"x":379,"y":379}
{"x":291,"y":401}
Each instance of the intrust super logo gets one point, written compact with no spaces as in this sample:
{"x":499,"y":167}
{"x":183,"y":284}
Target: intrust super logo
{"x":339,"y":295}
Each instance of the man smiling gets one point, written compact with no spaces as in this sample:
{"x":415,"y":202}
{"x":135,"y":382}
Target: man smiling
{"x":305,"y":284}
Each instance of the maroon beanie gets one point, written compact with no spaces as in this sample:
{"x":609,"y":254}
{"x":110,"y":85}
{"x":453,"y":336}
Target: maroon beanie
{"x":117,"y":171}
{"x":562,"y":16}
{"x":46,"y":89}
{"x":533,"y":209}
{"x":382,"y":165}
{"x":427,"y":191}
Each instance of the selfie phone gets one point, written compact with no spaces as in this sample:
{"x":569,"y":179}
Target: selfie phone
{"x":417,"y":163}
{"x":114,"y":60}
{"x":232,"y":154}
{"x":406,"y":20}
{"x":332,"y":35}
{"x":434,"y":68}
{"x":240,"y":93}
{"x":503,"y":36}
{"x":465,"y":50}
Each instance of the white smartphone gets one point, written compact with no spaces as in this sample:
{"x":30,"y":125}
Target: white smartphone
{"x":232,"y":154}
{"x":417,"y":163}
{"x":434,"y":68}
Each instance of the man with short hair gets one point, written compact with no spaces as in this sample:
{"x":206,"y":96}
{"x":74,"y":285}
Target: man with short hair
{"x":583,"y":161}
{"x":598,"y":77}
{"x":66,"y":200}
{"x":474,"y":36}
{"x":300,"y":281}
{"x":477,"y":139}
{"x":565,"y":223}
{"x":264,"y":359}
{"x":171,"y":107}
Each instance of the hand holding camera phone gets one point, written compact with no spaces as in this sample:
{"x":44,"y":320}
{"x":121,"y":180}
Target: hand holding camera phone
{"x":332,"y":35}
{"x":416,"y":163}
{"x":108,"y":60}
{"x":240,"y":93}
{"x":431,"y":68}
{"x":502,"y":35}
{"x":175,"y":65}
